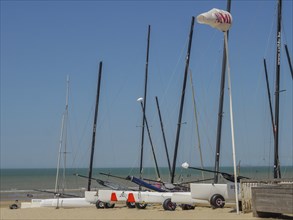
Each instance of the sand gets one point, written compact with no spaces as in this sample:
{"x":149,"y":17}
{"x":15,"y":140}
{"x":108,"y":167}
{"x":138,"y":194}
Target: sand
{"x":119,"y":212}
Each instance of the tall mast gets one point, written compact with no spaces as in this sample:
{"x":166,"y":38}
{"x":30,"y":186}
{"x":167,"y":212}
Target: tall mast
{"x":220,"y":110}
{"x":144,"y":102}
{"x":277,"y":171}
{"x":182,"y":101}
{"x":63,"y":130}
{"x":65,"y":136}
{"x":196,"y":122}
{"x":94,"y":128}
{"x":164,"y":137}
{"x":151,"y":143}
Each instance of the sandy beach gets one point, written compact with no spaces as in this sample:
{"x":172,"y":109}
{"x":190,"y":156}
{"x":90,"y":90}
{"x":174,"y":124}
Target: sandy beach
{"x":119,"y":212}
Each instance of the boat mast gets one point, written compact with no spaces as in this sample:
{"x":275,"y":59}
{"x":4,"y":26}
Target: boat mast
{"x":65,"y":137}
{"x":164,"y":137}
{"x":63,"y":122}
{"x":196,"y":122}
{"x":94,"y":128}
{"x":289,"y":60}
{"x":151,"y":143}
{"x":144,"y":102}
{"x":220,"y":110}
{"x":277,"y":171}
{"x":269,"y":95}
{"x":182,"y":101}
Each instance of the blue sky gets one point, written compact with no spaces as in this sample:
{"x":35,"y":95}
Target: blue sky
{"x":44,"y":41}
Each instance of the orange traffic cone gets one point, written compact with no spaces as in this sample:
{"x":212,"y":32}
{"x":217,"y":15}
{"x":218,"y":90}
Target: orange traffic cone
{"x":113,"y":197}
{"x":130,"y":198}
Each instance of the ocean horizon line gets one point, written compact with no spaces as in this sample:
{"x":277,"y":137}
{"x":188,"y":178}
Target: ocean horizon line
{"x":40,"y":168}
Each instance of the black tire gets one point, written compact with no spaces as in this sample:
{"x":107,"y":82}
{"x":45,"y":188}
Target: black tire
{"x":100,"y":204}
{"x":168,"y":205}
{"x":140,"y":205}
{"x":130,"y":205}
{"x":13,"y":206}
{"x":240,"y":205}
{"x":109,"y":205}
{"x":187,"y":207}
{"x":217,"y":201}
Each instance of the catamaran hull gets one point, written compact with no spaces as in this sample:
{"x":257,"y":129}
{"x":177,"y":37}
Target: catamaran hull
{"x":185,"y":198}
{"x":152,"y":197}
{"x":89,"y":200}
{"x":137,"y":197}
{"x":91,"y":196}
{"x":65,"y":202}
{"x":112,"y":196}
{"x":205,"y":191}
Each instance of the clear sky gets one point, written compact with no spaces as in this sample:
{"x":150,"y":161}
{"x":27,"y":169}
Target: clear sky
{"x":44,"y":41}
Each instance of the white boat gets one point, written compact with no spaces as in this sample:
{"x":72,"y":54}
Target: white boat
{"x":112,"y":196}
{"x":66,"y":203}
{"x":34,"y":203}
{"x":91,"y":196}
{"x":152,"y":197}
{"x":185,"y":198}
{"x":132,"y":198}
{"x":144,"y":198}
{"x":57,"y":202}
{"x":216,"y":194}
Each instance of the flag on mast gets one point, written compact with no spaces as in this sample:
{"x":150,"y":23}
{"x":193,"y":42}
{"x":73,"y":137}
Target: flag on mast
{"x":216,"y":18}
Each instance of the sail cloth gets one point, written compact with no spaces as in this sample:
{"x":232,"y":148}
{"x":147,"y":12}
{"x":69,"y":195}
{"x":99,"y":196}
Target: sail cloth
{"x":216,"y":18}
{"x":144,"y":184}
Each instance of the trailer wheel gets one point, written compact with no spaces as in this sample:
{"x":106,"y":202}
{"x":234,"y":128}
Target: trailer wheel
{"x":187,"y":207}
{"x":240,"y":205}
{"x":13,"y":206}
{"x":168,"y":205}
{"x":217,"y":201}
{"x":140,"y":205}
{"x":130,"y":205}
{"x":100,"y":204}
{"x":109,"y":205}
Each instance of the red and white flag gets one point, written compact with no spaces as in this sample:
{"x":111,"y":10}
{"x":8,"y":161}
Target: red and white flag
{"x":216,"y":18}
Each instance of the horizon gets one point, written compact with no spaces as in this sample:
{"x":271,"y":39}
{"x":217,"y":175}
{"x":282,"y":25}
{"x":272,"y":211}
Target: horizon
{"x":243,"y":166}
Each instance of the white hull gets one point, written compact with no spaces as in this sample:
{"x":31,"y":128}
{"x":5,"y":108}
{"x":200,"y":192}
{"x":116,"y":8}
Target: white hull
{"x":89,"y":199}
{"x":91,"y":196}
{"x":152,"y":197}
{"x":204,"y":191}
{"x":35,"y":203}
{"x":66,"y":202}
{"x":185,"y":198}
{"x":138,"y":197}
{"x":111,"y":196}
{"x":60,"y":202}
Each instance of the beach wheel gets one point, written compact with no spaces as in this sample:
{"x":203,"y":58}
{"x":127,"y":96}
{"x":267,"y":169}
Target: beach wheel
{"x":13,"y":206}
{"x":187,"y":207}
{"x":100,"y":204}
{"x":130,"y":205}
{"x":168,"y":205}
{"x":109,"y":205}
{"x":140,"y":205}
{"x":217,"y":201}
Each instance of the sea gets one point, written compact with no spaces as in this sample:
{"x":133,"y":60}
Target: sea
{"x":27,"y":184}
